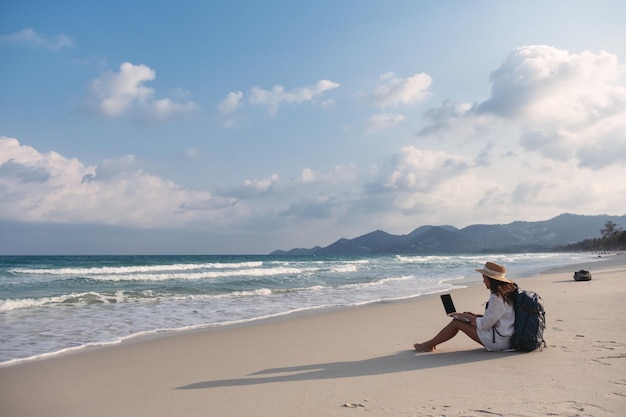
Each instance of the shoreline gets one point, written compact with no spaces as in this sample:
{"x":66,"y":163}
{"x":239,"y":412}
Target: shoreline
{"x":460,"y":284}
{"x":158,"y":333}
{"x":315,"y":364}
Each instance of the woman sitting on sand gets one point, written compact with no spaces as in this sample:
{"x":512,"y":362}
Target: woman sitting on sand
{"x":493,"y":329}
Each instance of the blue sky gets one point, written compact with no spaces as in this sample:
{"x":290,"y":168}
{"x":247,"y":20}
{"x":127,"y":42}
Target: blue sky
{"x":242,"y":127}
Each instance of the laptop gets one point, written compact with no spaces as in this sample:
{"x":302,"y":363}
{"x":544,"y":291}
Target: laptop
{"x":448,"y":304}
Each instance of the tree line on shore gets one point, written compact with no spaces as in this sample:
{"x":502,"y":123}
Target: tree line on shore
{"x":612,"y":237}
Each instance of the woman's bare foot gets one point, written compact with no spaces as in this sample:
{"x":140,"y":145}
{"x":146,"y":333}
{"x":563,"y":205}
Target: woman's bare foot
{"x":422,"y":347}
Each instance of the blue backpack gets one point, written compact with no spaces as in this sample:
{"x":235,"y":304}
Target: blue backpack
{"x":530,"y":321}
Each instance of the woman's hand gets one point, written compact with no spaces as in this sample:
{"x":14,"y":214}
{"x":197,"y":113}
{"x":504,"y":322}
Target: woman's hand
{"x":469,"y":318}
{"x":472,"y":314}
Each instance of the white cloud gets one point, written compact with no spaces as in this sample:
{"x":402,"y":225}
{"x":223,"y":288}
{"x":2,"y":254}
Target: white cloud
{"x":165,"y":108}
{"x":317,"y":207}
{"x":394,"y":91}
{"x":278,"y":95}
{"x":310,"y":195}
{"x":231,"y":103}
{"x":457,"y":121}
{"x":607,"y":146}
{"x":116,"y":94}
{"x":415,"y":186}
{"x":307,"y":181}
{"x":383,"y":121}
{"x":420,"y":170}
{"x":261,"y":186}
{"x":539,"y":146}
{"x":48,"y":187}
{"x":328,"y":104}
{"x":560,"y":105}
{"x":252,"y":188}
{"x":307,"y":175}
{"x":340,"y":174}
{"x":30,"y":37}
{"x":421,"y":186}
{"x":541,"y":83}
{"x":273,"y":98}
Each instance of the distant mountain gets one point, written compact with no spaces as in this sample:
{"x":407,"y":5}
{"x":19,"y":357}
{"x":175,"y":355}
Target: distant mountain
{"x":298,"y":251}
{"x":518,"y":236}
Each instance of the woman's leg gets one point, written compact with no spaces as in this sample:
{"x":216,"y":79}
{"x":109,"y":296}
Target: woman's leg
{"x":448,"y":333}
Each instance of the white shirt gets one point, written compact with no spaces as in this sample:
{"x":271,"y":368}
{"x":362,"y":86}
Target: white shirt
{"x":496,"y":327}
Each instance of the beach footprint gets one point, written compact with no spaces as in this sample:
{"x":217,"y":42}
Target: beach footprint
{"x":607,"y":344}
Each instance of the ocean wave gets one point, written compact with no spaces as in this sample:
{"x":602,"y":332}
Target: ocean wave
{"x":440,"y":259}
{"x":345,"y":268}
{"x":187,"y":275}
{"x":146,"y":296}
{"x":54,"y":304}
{"x":121,"y":339}
{"x":250,"y":273}
{"x":381,"y":282}
{"x":299,"y":289}
{"x":67,"y":299}
{"x":252,"y":269}
{"x":130,"y":270}
{"x":152,"y":296}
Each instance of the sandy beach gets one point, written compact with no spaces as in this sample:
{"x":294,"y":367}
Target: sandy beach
{"x":350,"y":362}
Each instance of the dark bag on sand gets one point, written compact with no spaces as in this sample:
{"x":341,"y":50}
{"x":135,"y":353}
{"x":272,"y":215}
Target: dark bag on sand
{"x":582,"y":275}
{"x":530,"y":321}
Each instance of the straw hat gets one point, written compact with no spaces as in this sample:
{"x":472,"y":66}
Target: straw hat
{"x":494,"y":271}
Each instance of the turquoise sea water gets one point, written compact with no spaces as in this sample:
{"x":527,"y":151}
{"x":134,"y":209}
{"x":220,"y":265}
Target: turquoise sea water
{"x":50,"y":304}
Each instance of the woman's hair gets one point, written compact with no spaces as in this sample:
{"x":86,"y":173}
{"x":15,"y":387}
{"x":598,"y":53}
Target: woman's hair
{"x":504,"y":289}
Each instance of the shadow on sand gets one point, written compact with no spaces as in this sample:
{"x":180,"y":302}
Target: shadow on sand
{"x":399,"y":362}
